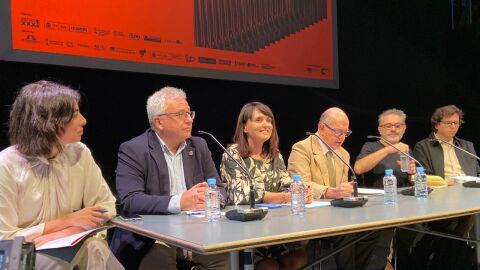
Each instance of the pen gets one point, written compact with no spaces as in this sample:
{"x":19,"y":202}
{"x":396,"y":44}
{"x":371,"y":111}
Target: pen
{"x":195,"y":213}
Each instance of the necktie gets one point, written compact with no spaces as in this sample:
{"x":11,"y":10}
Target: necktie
{"x":331,"y":169}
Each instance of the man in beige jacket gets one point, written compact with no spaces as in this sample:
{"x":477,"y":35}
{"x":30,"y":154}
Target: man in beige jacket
{"x":328,"y":176}
{"x":310,"y":157}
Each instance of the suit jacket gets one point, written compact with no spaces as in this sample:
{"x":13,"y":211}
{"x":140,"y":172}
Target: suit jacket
{"x":430,"y":154}
{"x":143,"y":186}
{"x":308,"y":160}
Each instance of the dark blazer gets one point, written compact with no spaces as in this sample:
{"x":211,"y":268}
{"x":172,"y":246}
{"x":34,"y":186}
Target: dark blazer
{"x":430,"y":154}
{"x":143,"y":186}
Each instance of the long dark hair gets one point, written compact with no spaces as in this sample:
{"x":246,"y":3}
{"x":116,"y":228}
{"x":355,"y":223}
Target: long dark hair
{"x":270,"y":147}
{"x":40,"y":113}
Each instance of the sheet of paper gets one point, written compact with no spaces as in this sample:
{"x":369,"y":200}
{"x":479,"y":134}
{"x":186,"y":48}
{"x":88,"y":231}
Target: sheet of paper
{"x":314,"y":204}
{"x":465,"y":178}
{"x":370,"y":191}
{"x":67,"y":241}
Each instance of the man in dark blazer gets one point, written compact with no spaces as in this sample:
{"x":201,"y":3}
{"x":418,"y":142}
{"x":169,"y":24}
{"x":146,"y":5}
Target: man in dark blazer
{"x":163,"y":171}
{"x":439,"y":157}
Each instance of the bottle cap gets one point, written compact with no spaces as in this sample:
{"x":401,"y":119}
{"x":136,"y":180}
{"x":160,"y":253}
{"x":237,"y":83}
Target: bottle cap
{"x":296,"y":178}
{"x":388,"y":171}
{"x":420,"y":169}
{"x":211,"y":181}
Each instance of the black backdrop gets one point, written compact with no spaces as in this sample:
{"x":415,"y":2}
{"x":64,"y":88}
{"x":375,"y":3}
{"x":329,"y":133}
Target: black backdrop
{"x":401,"y":54}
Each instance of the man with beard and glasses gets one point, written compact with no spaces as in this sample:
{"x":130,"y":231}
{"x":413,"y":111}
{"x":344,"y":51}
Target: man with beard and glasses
{"x":376,"y":157}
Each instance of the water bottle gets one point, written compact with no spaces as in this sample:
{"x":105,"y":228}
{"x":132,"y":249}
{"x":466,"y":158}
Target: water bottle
{"x":421,"y":189}
{"x":297,"y":191}
{"x":389,"y":187}
{"x":212,"y":201}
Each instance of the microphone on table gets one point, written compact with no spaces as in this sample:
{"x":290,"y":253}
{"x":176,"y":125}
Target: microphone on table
{"x":456,"y":147}
{"x":469,"y":183}
{"x":349,"y":201}
{"x":396,"y":148}
{"x":252,"y":213}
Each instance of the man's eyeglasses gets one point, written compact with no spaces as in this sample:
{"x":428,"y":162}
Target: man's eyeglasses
{"x":338,"y":132}
{"x":180,"y":115}
{"x":390,"y":126}
{"x":452,"y":123}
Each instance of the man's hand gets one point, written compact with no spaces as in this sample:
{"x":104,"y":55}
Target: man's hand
{"x":344,"y":190}
{"x":194,"y":198}
{"x":308,"y":194}
{"x":401,"y":146}
{"x":87,"y":218}
{"x":412,"y":167}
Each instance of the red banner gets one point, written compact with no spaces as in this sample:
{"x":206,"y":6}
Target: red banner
{"x":280,"y":37}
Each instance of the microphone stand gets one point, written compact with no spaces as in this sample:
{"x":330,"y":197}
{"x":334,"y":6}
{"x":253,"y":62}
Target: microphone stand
{"x":255,"y":213}
{"x":396,"y":148}
{"x":456,"y":147}
{"x":346,"y":202}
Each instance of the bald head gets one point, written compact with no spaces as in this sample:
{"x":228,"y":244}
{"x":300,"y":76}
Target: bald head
{"x":333,"y":127}
{"x":333,"y":115}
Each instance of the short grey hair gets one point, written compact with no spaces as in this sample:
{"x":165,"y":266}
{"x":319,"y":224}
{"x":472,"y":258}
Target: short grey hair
{"x":398,"y":112}
{"x":157,"y":102}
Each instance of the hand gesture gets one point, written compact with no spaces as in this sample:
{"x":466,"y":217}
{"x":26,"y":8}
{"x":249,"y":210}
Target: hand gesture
{"x":308,"y":194}
{"x":344,"y":190}
{"x":87,"y":218}
{"x":194,"y":198}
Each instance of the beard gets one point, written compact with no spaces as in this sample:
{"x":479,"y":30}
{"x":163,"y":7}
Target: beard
{"x":393,"y":138}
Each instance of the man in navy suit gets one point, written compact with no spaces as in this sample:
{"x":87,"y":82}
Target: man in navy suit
{"x":163,"y":171}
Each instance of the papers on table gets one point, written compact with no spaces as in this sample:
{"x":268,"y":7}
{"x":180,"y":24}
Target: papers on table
{"x":370,"y":191}
{"x":199,"y":213}
{"x":466,"y":178}
{"x":314,"y":204}
{"x":68,"y":241}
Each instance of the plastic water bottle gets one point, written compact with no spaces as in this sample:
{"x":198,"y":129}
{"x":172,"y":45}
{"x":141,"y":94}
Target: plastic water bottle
{"x":212,"y":201}
{"x":389,"y":187}
{"x":297,"y":191}
{"x":421,"y":189}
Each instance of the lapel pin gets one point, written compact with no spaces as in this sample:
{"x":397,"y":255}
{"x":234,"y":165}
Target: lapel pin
{"x":190,"y":153}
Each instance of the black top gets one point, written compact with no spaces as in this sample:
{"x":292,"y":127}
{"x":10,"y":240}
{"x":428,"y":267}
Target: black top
{"x":430,"y":154}
{"x":374,"y":177}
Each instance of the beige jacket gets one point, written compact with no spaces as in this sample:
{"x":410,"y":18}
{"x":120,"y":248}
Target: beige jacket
{"x":308,"y":160}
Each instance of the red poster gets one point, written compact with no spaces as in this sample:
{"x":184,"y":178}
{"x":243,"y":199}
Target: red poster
{"x":273,"y":37}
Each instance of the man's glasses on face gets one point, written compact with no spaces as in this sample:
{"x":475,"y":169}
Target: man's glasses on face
{"x":390,"y":126}
{"x":180,"y":115}
{"x":452,"y":123}
{"x":338,"y":132}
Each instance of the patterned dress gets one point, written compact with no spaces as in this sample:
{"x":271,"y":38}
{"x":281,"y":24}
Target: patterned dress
{"x":269,"y":175}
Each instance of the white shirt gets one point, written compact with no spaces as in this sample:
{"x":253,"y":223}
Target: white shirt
{"x":176,"y":175}
{"x":35,"y":190}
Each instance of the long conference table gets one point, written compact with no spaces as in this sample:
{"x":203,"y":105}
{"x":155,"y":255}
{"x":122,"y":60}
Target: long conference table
{"x":279,"y":226}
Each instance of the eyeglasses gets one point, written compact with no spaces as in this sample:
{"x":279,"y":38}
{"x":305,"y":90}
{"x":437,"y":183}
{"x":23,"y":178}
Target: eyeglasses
{"x":389,"y":126}
{"x":180,"y":115}
{"x":452,"y":123}
{"x":338,"y":132}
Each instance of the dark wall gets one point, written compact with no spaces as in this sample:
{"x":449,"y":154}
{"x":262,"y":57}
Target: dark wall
{"x":400,"y":54}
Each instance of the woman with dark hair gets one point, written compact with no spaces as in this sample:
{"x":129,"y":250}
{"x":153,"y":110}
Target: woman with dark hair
{"x":50,"y":185}
{"x":255,"y":144}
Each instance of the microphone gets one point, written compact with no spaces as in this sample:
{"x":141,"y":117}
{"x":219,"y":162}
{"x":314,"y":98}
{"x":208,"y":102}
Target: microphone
{"x":241,"y":214}
{"x":396,"y":148}
{"x":346,"y":202}
{"x":456,"y":147}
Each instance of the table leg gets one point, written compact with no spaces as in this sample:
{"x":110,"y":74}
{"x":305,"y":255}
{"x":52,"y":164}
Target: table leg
{"x":477,"y":237}
{"x":234,"y":262}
